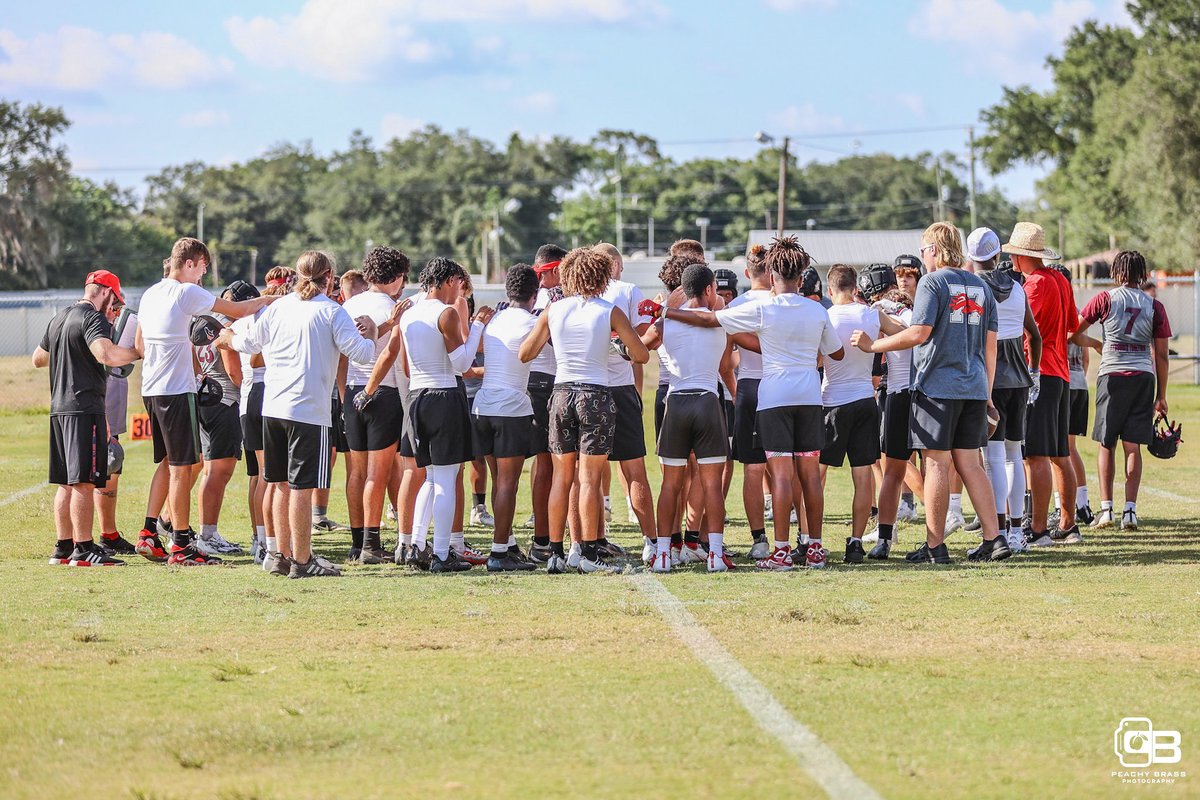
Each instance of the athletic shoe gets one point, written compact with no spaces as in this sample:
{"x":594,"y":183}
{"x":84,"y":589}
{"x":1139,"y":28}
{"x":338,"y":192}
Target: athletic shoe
{"x":480,"y":516}
{"x":401,"y":554}
{"x":191,"y":556}
{"x":1053,"y":518}
{"x":472,"y":556}
{"x":792,"y":518}
{"x":814,"y":556}
{"x":995,"y":550}
{"x":854,"y":551}
{"x":150,"y":546}
{"x":214,"y":544}
{"x":420,"y":557}
{"x":907,"y":512}
{"x":316,"y":567}
{"x":927,"y":555}
{"x":161,"y":528}
{"x":1016,"y":541}
{"x":87,"y":554}
{"x":1129,"y":521}
{"x":1103,"y":520}
{"x":529,"y":522}
{"x":676,"y":556}
{"x":257,"y":551}
{"x":451,"y":563}
{"x":610,"y":549}
{"x":661,"y":562}
{"x":954,"y":521}
{"x":61,"y":557}
{"x":515,"y":552}
{"x":607,"y":510}
{"x":768,"y":508}
{"x":722,"y":564}
{"x":1084,"y":515}
{"x":779,"y":561}
{"x":1072,"y":536}
{"x":692,"y":553}
{"x":117,"y":545}
{"x":556,"y":564}
{"x":508,"y":562}
{"x":326,"y":524}
{"x":574,"y":555}
{"x":270,"y":561}
{"x":281,"y":565}
{"x":873,"y":536}
{"x":649,"y":549}
{"x":370,"y":555}
{"x":597,"y":564}
{"x":539,"y":553}
{"x":881,"y":551}
{"x":1042,"y":539}
{"x":353,"y":554}
{"x":391,"y":513}
{"x":760,"y":549}
{"x":974,"y":526}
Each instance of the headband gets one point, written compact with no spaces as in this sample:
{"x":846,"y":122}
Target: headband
{"x":546,"y":267}
{"x":276,"y":282}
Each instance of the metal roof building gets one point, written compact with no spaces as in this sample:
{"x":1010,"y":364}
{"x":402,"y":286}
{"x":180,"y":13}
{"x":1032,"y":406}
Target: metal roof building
{"x":856,"y":248}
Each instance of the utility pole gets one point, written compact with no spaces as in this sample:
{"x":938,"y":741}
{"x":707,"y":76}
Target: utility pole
{"x":200,"y":222}
{"x":702,"y":223}
{"x":253,"y":266}
{"x":1062,"y":237}
{"x":650,"y":236}
{"x":781,"y":213}
{"x":941,"y":206}
{"x":620,"y":220}
{"x":971,"y":139}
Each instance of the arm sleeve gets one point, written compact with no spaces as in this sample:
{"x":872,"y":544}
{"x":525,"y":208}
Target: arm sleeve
{"x":1096,"y":309}
{"x":925,"y":304}
{"x":349,"y":341}
{"x":1162,"y":325}
{"x":993,"y":313}
{"x":746,"y":318}
{"x":45,"y":345}
{"x":97,"y":328}
{"x":462,"y":358}
{"x":196,"y":300}
{"x":251,"y":333}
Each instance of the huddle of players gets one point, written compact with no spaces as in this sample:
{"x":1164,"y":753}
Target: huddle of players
{"x":559,"y":385}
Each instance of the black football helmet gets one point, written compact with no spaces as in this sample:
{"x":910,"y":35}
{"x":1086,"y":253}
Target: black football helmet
{"x":1167,"y":438}
{"x":909,"y":262}
{"x":876,"y":279}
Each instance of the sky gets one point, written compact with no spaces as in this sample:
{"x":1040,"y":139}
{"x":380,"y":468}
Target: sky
{"x":148,"y":85}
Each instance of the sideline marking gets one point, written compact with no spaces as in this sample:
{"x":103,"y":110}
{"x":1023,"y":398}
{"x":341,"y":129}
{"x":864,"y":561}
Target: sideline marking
{"x":815,"y":757}
{"x":1164,"y":494}
{"x":15,"y":496}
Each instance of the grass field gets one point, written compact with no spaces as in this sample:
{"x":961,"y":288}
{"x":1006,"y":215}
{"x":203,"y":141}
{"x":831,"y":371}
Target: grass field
{"x":974,"y":681}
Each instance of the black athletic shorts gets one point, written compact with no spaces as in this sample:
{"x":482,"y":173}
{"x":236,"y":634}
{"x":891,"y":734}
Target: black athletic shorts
{"x":1080,"y":407}
{"x":541,"y":386}
{"x":252,"y":465}
{"x":790,"y":429}
{"x":220,"y":431}
{"x":1124,"y":409}
{"x":660,"y":406}
{"x":252,"y":435}
{"x":727,"y":406}
{"x":440,"y":427}
{"x":629,"y":440}
{"x":1048,"y":420}
{"x":379,"y":426}
{"x":693,"y":422}
{"x":502,"y":437}
{"x":78,"y":449}
{"x":175,"y":428}
{"x":338,"y":426}
{"x":745,"y":408}
{"x":936,"y":424}
{"x":896,"y":410}
{"x":296,"y":452}
{"x":583,"y":419}
{"x":1012,"y":405}
{"x":852,"y":432}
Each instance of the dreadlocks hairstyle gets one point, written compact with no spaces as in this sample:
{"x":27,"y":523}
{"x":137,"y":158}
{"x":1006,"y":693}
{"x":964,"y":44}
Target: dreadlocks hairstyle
{"x":671,"y":273}
{"x":438,"y":270}
{"x":279,"y":281}
{"x":521,"y":283}
{"x":584,"y":272}
{"x":1129,"y":268}
{"x":188,"y":249}
{"x":384,"y":264}
{"x":948,"y":241}
{"x":756,"y":260}
{"x":547,"y":253}
{"x":313,"y":269}
{"x":690,"y":248}
{"x":786,"y":258}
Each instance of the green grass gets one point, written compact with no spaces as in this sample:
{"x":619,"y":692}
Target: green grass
{"x":969,"y":681}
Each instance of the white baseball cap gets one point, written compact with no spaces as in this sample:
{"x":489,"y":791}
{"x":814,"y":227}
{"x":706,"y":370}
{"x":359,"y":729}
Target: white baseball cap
{"x":982,"y":245}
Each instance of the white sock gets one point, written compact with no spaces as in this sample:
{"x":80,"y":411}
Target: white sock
{"x":997,"y":472}
{"x":406,"y":539}
{"x":458,"y":540}
{"x":207,"y":530}
{"x":780,"y":545}
{"x":1014,"y":470}
{"x":500,"y":548}
{"x":1106,"y":505}
{"x":956,"y":503}
{"x":442,"y":478}
{"x":1057,"y":502}
{"x":716,"y":543}
{"x":512,"y":540}
{"x":260,"y":532}
{"x":272,"y":544}
{"x":1081,"y":498}
{"x":607,"y":504}
{"x":662,"y":544}
{"x":423,"y":512}
{"x":1130,"y":505}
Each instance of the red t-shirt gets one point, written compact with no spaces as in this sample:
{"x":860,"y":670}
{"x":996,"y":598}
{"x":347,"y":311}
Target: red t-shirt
{"x":1054,"y":311}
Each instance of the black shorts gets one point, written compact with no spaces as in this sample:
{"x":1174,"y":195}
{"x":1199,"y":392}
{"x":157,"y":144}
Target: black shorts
{"x":502,"y":437}
{"x":852,"y":432}
{"x":541,"y":386}
{"x":790,"y":429}
{"x":727,"y":405}
{"x":660,"y":407}
{"x":1124,"y":409}
{"x":252,"y":466}
{"x":1012,"y":405}
{"x":338,"y":426}
{"x":1080,"y":407}
{"x":296,"y":452}
{"x":220,"y":431}
{"x":379,"y":426}
{"x":629,"y":440}
{"x":440,"y":427}
{"x":252,"y":435}
{"x":693,"y":422}
{"x":936,"y":424}
{"x":745,"y":408}
{"x":896,"y":412}
{"x":175,"y":428}
{"x":1047,"y":421}
{"x":78,"y":449}
{"x":583,"y":419}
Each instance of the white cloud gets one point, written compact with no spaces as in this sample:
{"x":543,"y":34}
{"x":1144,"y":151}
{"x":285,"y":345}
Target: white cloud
{"x":798,"y":119}
{"x":204,"y":118}
{"x":913,"y":103}
{"x":398,"y":126}
{"x":80,"y":59}
{"x":538,"y":103}
{"x":796,"y":5}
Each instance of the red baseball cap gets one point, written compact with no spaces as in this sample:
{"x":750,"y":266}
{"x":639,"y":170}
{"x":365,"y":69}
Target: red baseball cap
{"x":103,"y":277}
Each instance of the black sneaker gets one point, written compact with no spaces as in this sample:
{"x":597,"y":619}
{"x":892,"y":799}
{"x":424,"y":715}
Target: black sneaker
{"x":1053,"y":518}
{"x":609,"y":549}
{"x":995,"y":550}
{"x":539,"y":553}
{"x":1069,"y":536}
{"x":119,"y":545}
{"x":370,"y":555}
{"x":974,"y":526}
{"x":281,"y":565}
{"x":854,"y":551}
{"x":401,"y":557}
{"x":353,"y":554}
{"x":929,"y":555}
{"x":509,"y":562}
{"x":316,"y":567}
{"x":881,"y":551}
{"x":918,"y":556}
{"x":515,"y":552}
{"x":87,"y":554}
{"x":419,"y":558}
{"x":1085,"y":516}
{"x":61,"y":556}
{"x":451,"y":563}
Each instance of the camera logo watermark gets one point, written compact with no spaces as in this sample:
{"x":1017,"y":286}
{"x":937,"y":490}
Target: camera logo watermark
{"x":1139,"y":745}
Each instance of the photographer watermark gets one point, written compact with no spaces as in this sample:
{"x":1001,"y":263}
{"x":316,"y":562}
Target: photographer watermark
{"x":1140,"y":746}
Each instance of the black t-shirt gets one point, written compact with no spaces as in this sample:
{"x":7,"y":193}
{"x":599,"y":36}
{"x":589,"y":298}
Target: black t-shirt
{"x":77,"y":379}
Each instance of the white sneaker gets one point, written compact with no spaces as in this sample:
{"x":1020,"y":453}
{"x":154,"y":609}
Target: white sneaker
{"x":607,"y":510}
{"x":768,"y":508}
{"x":954,"y":521}
{"x":1016,"y":541}
{"x":631,"y":516}
{"x":215,"y":545}
{"x":574,"y":556}
{"x":587,"y":565}
{"x":871,"y":537}
{"x":907,"y":512}
{"x":660,"y":562}
{"x":761,"y":549}
{"x":1129,"y":520}
{"x":792,"y":518}
{"x":676,"y":557}
{"x":692,"y":554}
{"x":480,"y":516}
{"x":391,"y":512}
{"x":1104,"y":519}
{"x":716,"y":564}
{"x":529,"y":522}
{"x":1044,"y":540}
{"x":648,"y":549}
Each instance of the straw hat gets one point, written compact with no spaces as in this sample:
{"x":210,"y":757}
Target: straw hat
{"x":1029,"y":239}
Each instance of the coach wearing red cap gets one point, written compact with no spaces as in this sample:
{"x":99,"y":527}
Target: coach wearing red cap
{"x":77,"y":347}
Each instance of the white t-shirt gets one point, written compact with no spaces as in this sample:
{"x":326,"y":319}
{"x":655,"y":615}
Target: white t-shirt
{"x":504,"y":391}
{"x":545,"y":361}
{"x":165,"y":314}
{"x":1010,"y":315}
{"x":627,"y":297}
{"x":581,"y":329}
{"x":378,"y":306}
{"x":749,"y":362}
{"x":899,"y":362}
{"x":792,"y":330}
{"x":692,"y":356}
{"x":428,"y":362}
{"x":850,"y":379}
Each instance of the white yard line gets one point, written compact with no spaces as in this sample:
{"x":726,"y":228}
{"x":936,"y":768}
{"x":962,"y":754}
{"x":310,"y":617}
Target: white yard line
{"x":814,"y":756}
{"x":28,"y":490}
{"x":1164,"y":494}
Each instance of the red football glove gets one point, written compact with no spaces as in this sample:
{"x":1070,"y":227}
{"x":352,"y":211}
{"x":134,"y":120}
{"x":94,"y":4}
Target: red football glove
{"x":649,"y":308}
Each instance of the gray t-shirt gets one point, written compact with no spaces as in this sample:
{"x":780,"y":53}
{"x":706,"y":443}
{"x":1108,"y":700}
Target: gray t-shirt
{"x":1075,"y":365}
{"x":951,"y":364}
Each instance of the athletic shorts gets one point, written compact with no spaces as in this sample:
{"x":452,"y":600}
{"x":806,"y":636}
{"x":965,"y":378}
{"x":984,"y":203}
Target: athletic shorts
{"x":1048,"y":420}
{"x":297,"y":453}
{"x":1012,"y":405}
{"x":583,"y":419}
{"x":78,"y":449}
{"x":745,"y":408}
{"x":379,"y":426}
{"x":693,"y":422}
{"x":629,"y":440}
{"x":541,"y":386}
{"x":790,"y":429}
{"x":338,"y":425}
{"x":936,"y":424}
{"x":660,"y":407}
{"x":252,"y":465}
{"x":220,"y":431}
{"x":252,"y":435}
{"x":175,"y":428}
{"x":852,"y":432}
{"x":440,"y":427}
{"x":1124,"y":409}
{"x":1080,"y":407}
{"x":502,"y":437}
{"x":896,"y":410}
